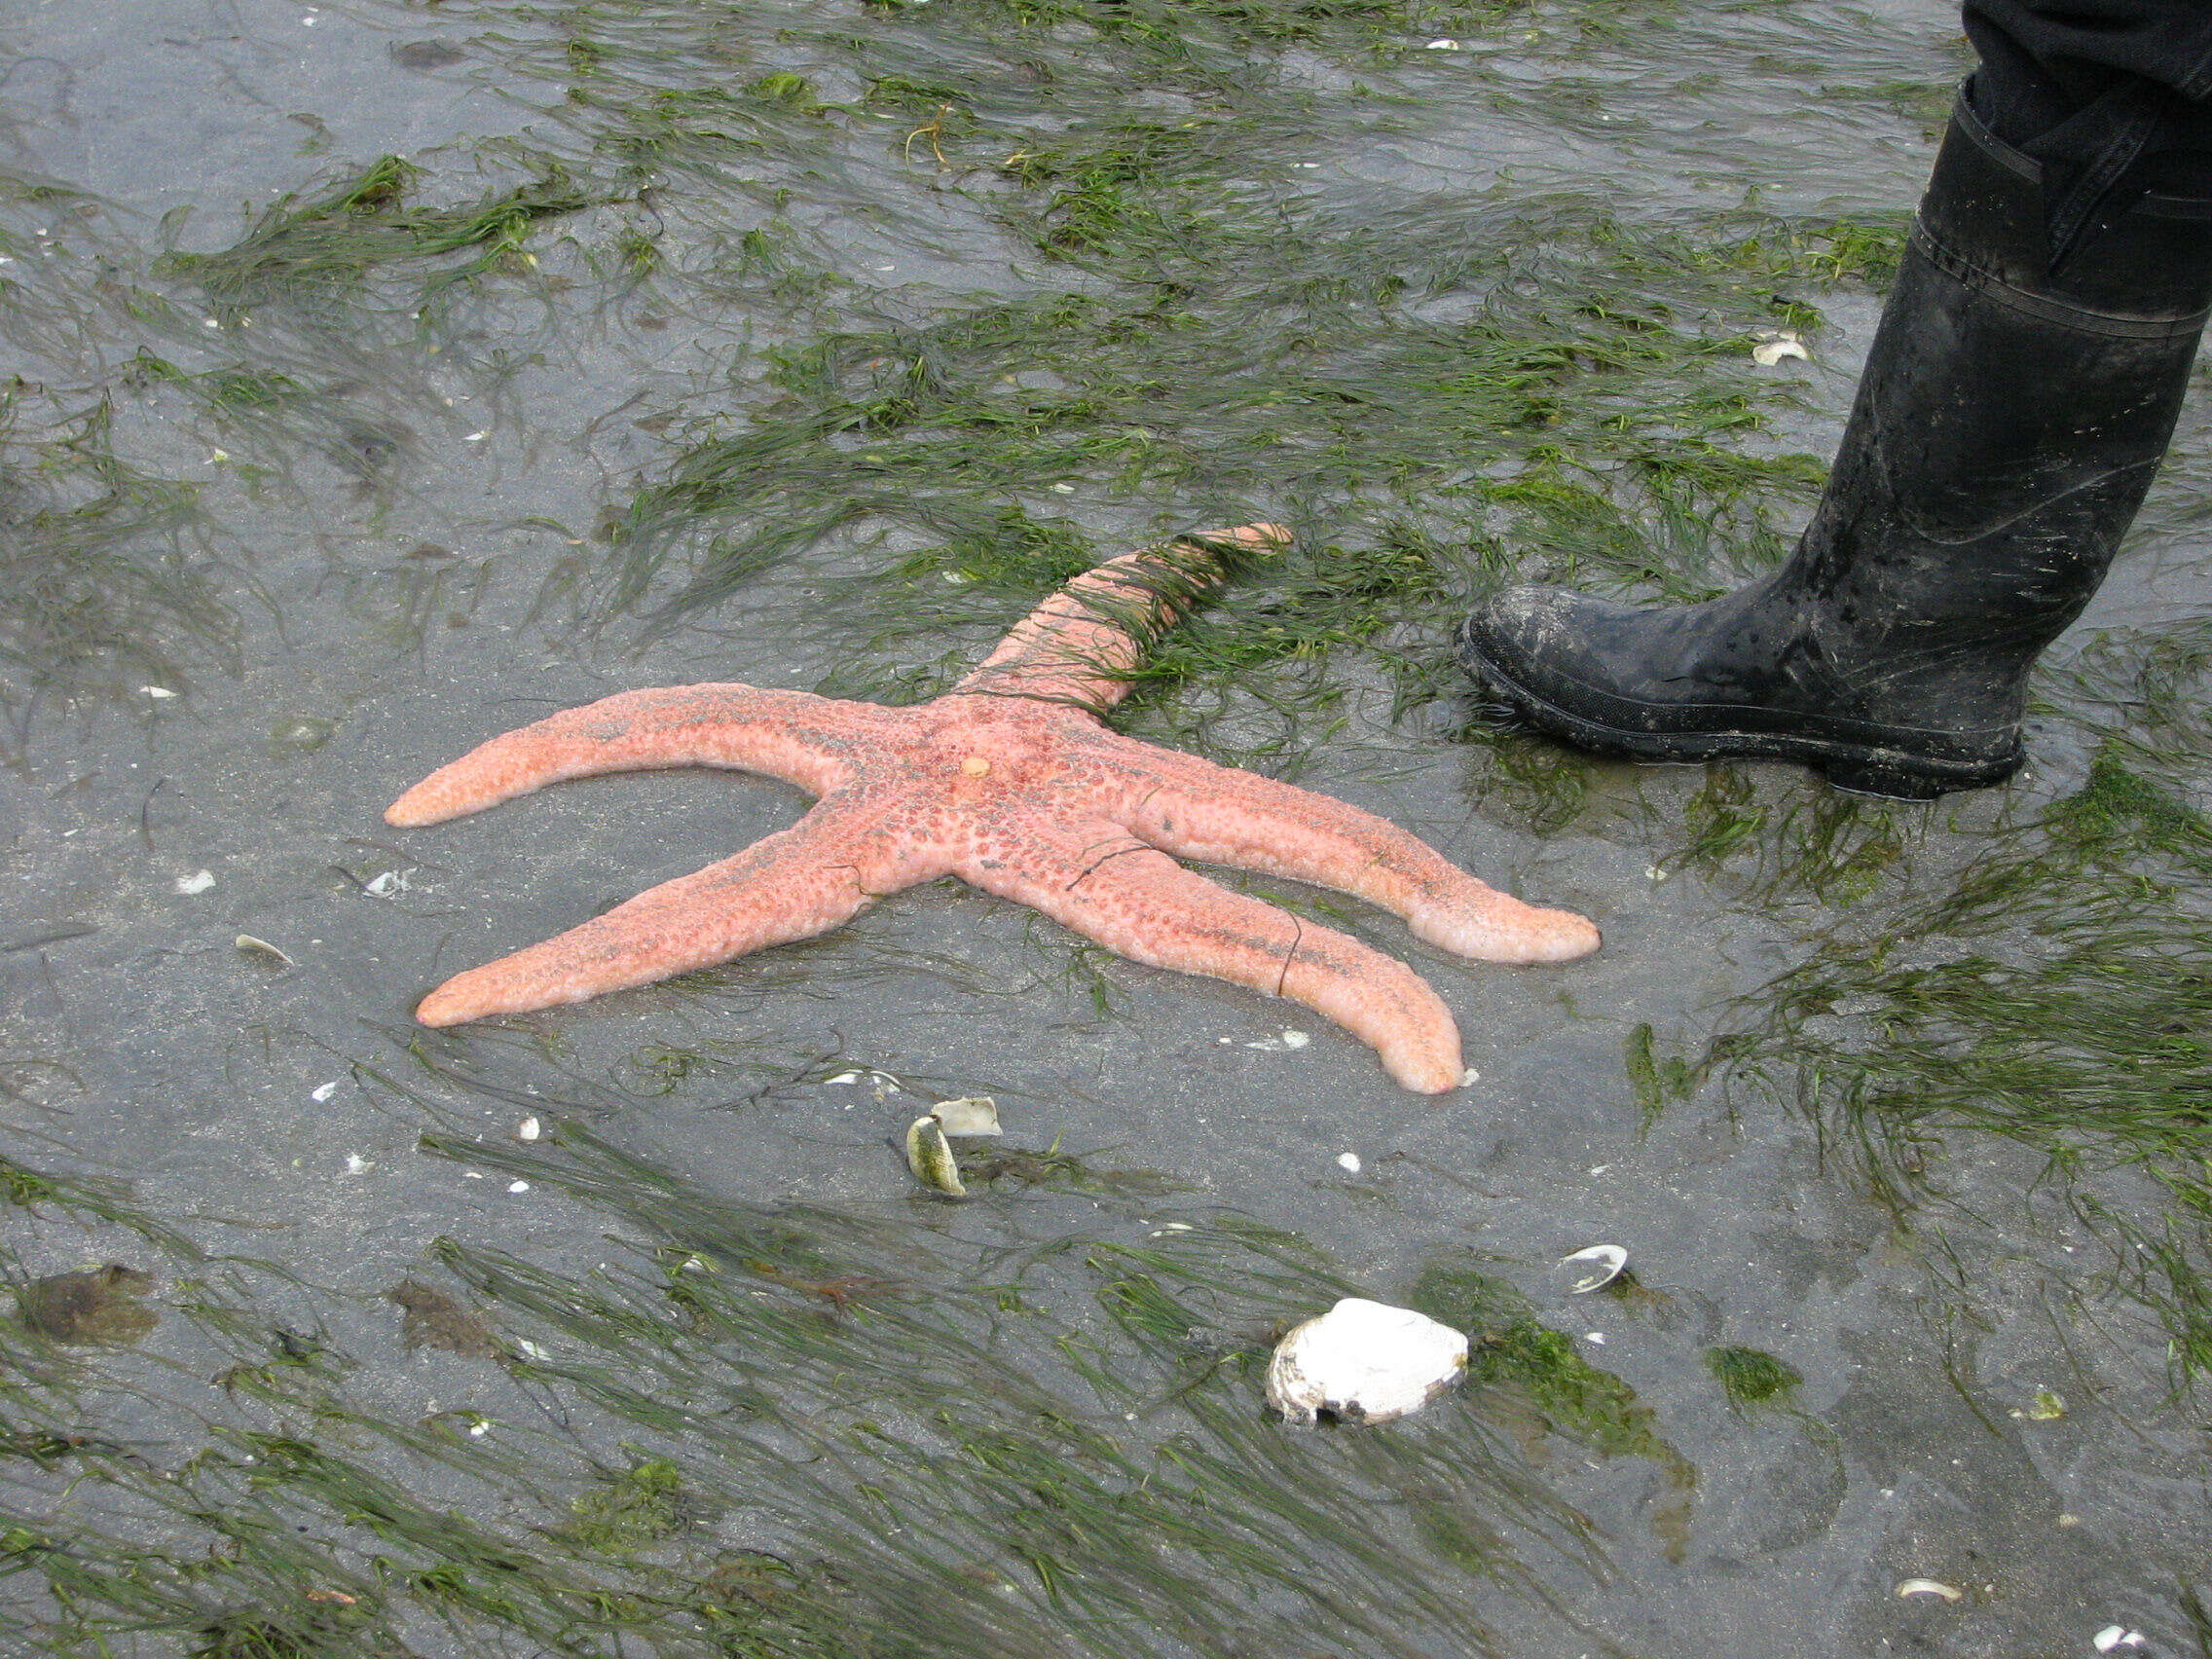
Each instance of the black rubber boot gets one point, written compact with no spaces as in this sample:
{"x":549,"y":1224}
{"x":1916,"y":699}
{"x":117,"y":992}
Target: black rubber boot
{"x":2007,"y":424}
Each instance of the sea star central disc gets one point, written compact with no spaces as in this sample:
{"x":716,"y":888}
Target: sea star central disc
{"x":1011,"y":782}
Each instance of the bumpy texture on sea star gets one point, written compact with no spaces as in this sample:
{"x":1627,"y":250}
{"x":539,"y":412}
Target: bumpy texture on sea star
{"x":1013,"y":783}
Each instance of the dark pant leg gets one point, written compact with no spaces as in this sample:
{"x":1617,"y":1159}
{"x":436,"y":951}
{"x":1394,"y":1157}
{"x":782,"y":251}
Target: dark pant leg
{"x":2109,"y":95}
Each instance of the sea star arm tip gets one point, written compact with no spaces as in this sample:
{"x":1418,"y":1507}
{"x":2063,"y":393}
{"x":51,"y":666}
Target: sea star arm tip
{"x":1139,"y":903}
{"x":790,"y":735}
{"x":1081,"y":645}
{"x":791,"y":885}
{"x":1214,"y":814}
{"x":1507,"y":931}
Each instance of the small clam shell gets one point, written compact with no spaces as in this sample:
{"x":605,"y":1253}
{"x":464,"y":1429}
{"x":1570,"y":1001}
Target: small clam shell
{"x":1605,"y":1265}
{"x":1930,"y":1587}
{"x":262,"y":948}
{"x":971,"y":1115}
{"x":929,"y":1155}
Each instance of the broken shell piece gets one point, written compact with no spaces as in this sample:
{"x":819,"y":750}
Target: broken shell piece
{"x":1364,"y":1362}
{"x":929,"y":1155}
{"x":1930,"y":1587}
{"x":882,"y":1080}
{"x":299,"y":731}
{"x":262,"y":948}
{"x":197,"y":882}
{"x":2046,"y":1406}
{"x":971,"y":1115}
{"x":2115,"y":1636}
{"x":1605,"y":1265}
{"x":1773,"y":347}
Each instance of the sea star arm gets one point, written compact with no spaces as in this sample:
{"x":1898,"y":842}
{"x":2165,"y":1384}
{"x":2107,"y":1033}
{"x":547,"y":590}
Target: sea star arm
{"x":793,"y":884}
{"x":792,"y":735}
{"x":1082,"y":644}
{"x":1139,"y":903}
{"x":1220,"y":815}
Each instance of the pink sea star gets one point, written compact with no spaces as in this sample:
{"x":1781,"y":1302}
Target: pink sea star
{"x":1013,"y":783}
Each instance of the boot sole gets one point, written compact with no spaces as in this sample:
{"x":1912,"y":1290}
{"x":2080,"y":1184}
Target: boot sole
{"x":1857,"y":768}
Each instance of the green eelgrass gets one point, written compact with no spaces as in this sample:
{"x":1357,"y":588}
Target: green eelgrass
{"x":1035,"y":1445}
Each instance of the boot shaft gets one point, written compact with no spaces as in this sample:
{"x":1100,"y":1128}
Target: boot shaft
{"x":2010,"y":420}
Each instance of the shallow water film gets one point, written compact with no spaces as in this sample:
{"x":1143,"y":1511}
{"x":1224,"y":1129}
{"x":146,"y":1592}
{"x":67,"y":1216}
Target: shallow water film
{"x":384,"y":375}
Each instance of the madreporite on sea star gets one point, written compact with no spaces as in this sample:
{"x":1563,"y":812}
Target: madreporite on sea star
{"x":1011,"y":782}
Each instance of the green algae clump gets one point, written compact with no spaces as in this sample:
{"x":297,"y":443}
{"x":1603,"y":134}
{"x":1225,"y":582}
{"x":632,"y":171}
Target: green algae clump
{"x":1749,"y":1376}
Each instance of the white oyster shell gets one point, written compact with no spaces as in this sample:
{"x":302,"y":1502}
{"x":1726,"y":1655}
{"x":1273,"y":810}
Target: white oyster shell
{"x":1364,"y":1362}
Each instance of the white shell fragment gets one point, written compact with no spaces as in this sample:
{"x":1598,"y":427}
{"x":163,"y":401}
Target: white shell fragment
{"x":262,"y":948}
{"x":1772,"y":348}
{"x":881,"y":1079}
{"x":972,"y":1115}
{"x":1930,"y":1587}
{"x":529,"y":1129}
{"x":929,"y":1155}
{"x":197,"y":882}
{"x":2115,"y":1636}
{"x":1349,"y":1161}
{"x":1605,"y":1265}
{"x":1364,"y":1362}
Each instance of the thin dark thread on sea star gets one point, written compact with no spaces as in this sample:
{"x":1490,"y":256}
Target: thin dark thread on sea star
{"x":1118,"y":851}
{"x":1291,"y":956}
{"x":860,"y":882}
